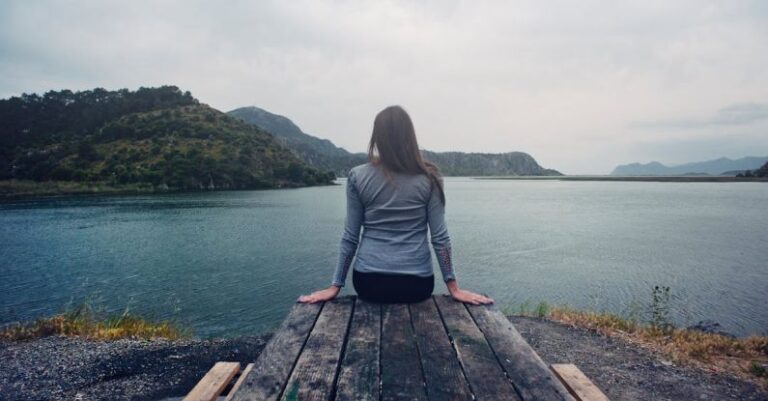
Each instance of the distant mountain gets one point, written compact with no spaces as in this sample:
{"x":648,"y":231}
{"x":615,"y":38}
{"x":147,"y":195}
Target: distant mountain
{"x":487,"y":164}
{"x":323,"y":154}
{"x":319,"y":153}
{"x":719,"y":166}
{"x":154,"y":137}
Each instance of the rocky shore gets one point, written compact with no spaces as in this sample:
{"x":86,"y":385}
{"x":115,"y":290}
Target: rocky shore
{"x":59,"y":368}
{"x":625,"y":371}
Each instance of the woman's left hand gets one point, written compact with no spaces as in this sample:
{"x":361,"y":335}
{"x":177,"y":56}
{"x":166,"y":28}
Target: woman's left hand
{"x":321,"y":295}
{"x":470,"y":297}
{"x":467,"y":296}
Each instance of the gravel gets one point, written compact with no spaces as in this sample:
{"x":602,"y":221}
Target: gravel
{"x":624,"y":371}
{"x":59,"y":368}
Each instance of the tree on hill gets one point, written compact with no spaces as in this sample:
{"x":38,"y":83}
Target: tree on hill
{"x":30,"y":119}
{"x":158,"y":136}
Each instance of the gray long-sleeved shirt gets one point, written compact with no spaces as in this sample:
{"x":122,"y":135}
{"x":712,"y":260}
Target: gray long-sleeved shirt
{"x":394,"y":217}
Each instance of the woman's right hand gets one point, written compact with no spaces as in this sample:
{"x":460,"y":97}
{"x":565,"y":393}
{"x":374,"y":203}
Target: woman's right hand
{"x":321,"y":295}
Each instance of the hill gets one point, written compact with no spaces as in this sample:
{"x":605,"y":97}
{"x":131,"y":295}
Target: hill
{"x":762,"y":172}
{"x":160,"y":138}
{"x":719,"y":166}
{"x":487,"y":164}
{"x":323,"y":154}
{"x":319,"y":153}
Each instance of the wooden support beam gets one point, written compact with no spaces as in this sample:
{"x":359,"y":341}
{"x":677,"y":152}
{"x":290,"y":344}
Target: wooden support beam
{"x":214,"y":382}
{"x":577,"y":383}
{"x":239,"y":382}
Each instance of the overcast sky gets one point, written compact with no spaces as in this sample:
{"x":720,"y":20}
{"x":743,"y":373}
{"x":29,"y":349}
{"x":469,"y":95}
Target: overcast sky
{"x":580,"y":85}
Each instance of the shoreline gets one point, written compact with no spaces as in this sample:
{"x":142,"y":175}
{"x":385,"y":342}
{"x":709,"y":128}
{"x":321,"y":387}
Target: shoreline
{"x":75,"y":368}
{"x":24,"y":189}
{"x":644,"y":178}
{"x":18,"y":189}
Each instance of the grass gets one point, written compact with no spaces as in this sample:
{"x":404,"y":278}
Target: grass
{"x":743,"y":357}
{"x":83,"y":322}
{"x":25,"y":188}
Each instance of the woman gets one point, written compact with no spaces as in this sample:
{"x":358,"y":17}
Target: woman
{"x":395,"y":196}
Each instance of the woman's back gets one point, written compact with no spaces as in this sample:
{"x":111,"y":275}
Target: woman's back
{"x":396,"y":212}
{"x":394,"y":221}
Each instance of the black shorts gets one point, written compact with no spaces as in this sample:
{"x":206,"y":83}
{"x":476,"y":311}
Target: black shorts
{"x":392,"y":288}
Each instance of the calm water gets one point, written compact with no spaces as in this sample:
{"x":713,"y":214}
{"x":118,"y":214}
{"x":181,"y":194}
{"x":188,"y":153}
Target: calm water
{"x":229,"y":263}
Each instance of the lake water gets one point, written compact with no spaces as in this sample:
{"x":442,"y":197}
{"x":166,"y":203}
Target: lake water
{"x":232,"y":263}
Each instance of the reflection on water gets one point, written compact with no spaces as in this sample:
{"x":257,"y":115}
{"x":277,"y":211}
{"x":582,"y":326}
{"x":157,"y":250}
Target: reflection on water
{"x":228,"y":263}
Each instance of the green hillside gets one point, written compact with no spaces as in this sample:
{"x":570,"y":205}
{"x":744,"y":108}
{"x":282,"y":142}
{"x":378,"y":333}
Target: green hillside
{"x":157,"y":138}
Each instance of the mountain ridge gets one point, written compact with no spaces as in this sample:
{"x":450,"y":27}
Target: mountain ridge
{"x":719,"y":166}
{"x":318,"y":152}
{"x":322,"y":153}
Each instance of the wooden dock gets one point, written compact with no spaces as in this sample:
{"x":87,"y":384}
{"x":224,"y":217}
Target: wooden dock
{"x":348,"y":349}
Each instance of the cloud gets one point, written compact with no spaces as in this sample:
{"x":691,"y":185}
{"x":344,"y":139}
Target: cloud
{"x":562,"y":80}
{"x":735,"y":114}
{"x":743,"y":113}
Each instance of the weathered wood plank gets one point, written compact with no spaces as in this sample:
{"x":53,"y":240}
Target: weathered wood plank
{"x":442,"y":372}
{"x":523,"y":365}
{"x":214,"y":382}
{"x":577,"y":383}
{"x":271,"y":370}
{"x":315,"y":372}
{"x":486,"y":377}
{"x":239,"y":382}
{"x":359,"y":375}
{"x":401,"y":375}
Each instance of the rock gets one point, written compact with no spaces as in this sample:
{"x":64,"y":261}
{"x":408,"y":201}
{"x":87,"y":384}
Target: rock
{"x":711,"y":327}
{"x":59,"y":368}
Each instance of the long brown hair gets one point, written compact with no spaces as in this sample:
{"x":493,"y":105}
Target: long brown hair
{"x":394,"y":147}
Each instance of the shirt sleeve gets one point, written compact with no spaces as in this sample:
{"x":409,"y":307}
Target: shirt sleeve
{"x":351,"y":235}
{"x":441,"y":241}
